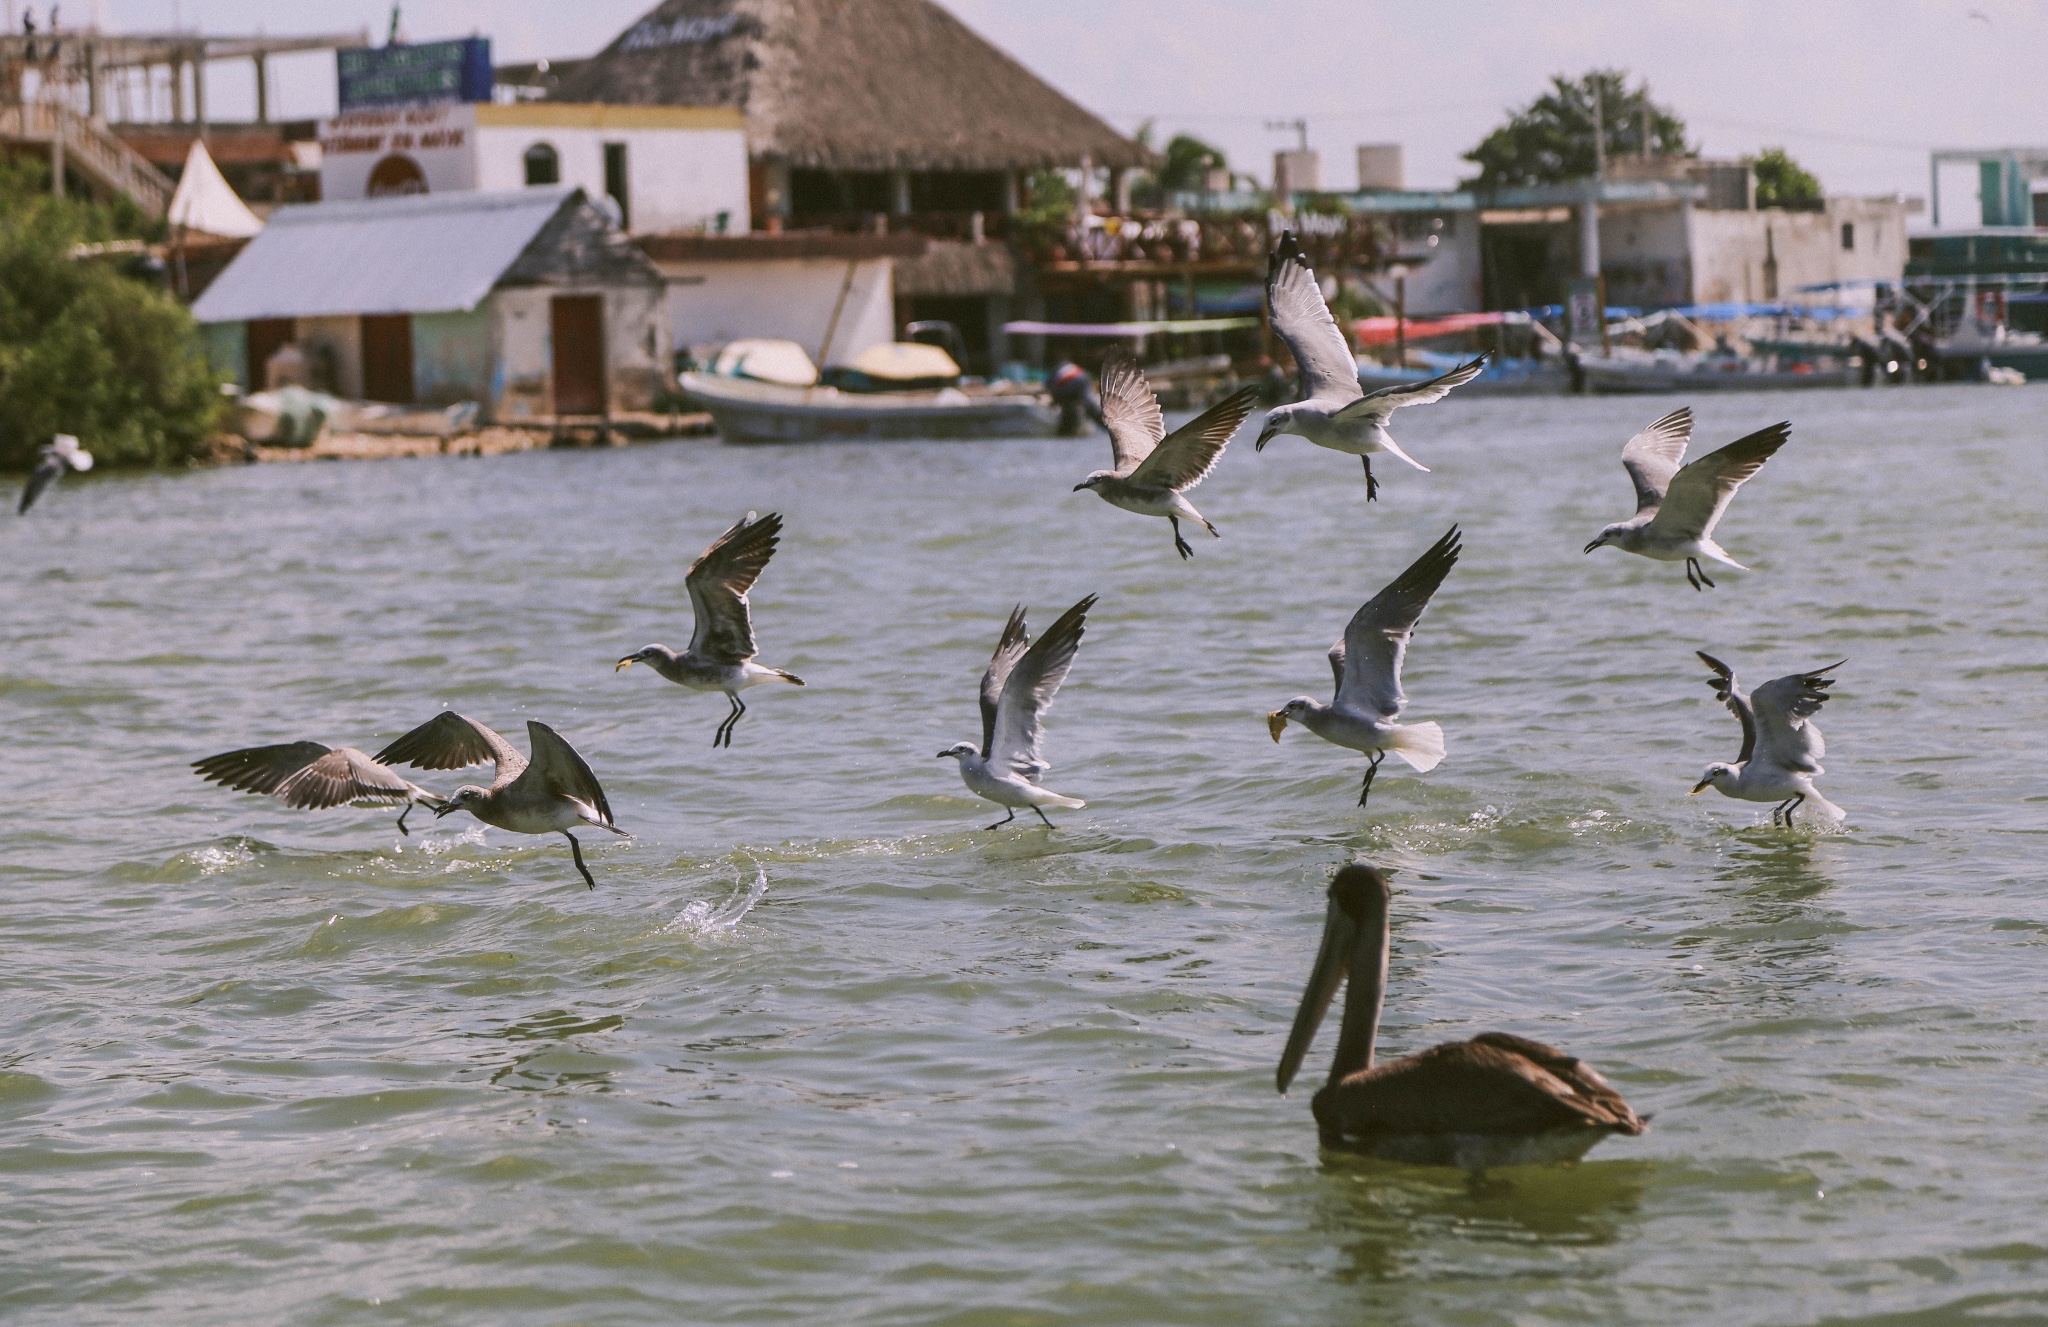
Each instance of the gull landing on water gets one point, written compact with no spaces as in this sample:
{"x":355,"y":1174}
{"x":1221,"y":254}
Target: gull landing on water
{"x":1338,"y":413}
{"x":1367,"y":665}
{"x":1677,"y":510}
{"x":1155,"y":469}
{"x":310,"y":776}
{"x":1781,"y":745}
{"x":721,"y":653}
{"x":1016,"y":691}
{"x":549,"y":795}
{"x":1496,"y":1100}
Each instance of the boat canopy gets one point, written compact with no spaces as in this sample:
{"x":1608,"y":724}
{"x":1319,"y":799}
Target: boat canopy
{"x":766,"y":360}
{"x":904,"y":361}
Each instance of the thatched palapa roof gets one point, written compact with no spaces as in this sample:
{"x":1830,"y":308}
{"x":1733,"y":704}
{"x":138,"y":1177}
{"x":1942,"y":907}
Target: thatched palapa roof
{"x":852,"y":85}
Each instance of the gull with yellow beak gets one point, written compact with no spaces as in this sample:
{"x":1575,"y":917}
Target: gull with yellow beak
{"x":1367,"y":665}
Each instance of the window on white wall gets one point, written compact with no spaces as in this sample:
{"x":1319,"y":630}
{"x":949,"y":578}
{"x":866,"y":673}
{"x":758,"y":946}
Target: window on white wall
{"x":543,"y":164}
{"x":1848,"y":235}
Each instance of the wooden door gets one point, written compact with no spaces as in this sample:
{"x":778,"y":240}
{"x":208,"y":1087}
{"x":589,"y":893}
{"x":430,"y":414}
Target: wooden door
{"x":387,"y":358}
{"x":265,"y":337}
{"x":576,"y":323}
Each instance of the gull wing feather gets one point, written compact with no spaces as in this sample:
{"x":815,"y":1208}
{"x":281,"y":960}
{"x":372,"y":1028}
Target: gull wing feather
{"x":1731,"y":694}
{"x":455,"y":741}
{"x":1028,"y":693}
{"x":1653,"y":456}
{"x":1381,"y":404}
{"x":1785,"y":706}
{"x":67,"y":449}
{"x":1130,"y":412}
{"x":343,"y":776}
{"x":1368,"y":660}
{"x":1702,"y":491}
{"x":718,"y":581}
{"x":45,"y":474}
{"x":1192,"y":450}
{"x":1301,"y":318}
{"x":259,"y":769}
{"x":1008,"y":650}
{"x":557,"y":770}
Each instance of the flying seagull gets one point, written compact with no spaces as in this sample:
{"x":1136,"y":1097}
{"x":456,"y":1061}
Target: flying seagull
{"x":1677,"y":510}
{"x":721,"y":653}
{"x":310,"y":776}
{"x":550,"y":795}
{"x":1367,"y":664}
{"x":62,"y":454}
{"x":1496,"y":1100}
{"x":1781,"y":745}
{"x":1154,"y":469}
{"x":1338,"y":414}
{"x":1016,"y":691}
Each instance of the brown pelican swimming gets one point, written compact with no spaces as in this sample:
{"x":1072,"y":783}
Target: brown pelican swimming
{"x":1154,"y":469}
{"x":310,"y":776}
{"x":1496,"y":1100}
{"x":549,"y":795}
{"x":1016,"y":690}
{"x":721,"y":653}
{"x":1337,"y":413}
{"x":1367,"y":662}
{"x":1677,"y":510}
{"x":1781,"y":745}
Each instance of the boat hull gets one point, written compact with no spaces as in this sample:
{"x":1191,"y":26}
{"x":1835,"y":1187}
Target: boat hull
{"x":1625,"y":377}
{"x":749,"y":412}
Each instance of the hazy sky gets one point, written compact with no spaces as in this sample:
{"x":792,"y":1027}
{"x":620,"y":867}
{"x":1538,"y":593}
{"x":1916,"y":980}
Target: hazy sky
{"x":1858,"y":90}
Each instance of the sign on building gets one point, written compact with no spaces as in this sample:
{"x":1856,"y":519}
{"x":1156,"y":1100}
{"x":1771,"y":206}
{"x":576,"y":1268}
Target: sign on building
{"x":1582,"y":308}
{"x":418,"y":75}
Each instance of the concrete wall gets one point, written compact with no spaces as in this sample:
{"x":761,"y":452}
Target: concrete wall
{"x":677,"y":178}
{"x":1445,"y":277}
{"x":1729,"y":248}
{"x":710,"y":303}
{"x":1647,"y":255}
{"x":227,"y":351}
{"x":451,"y":357}
{"x":637,"y":348}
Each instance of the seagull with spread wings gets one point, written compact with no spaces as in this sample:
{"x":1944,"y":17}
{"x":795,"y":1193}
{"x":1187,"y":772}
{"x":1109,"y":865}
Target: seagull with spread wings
{"x":62,"y":454}
{"x":551,"y":794}
{"x":1781,"y":744}
{"x":1367,"y":665}
{"x":310,"y":776}
{"x":1495,"y":1100}
{"x":1337,"y":413}
{"x":721,"y":653}
{"x":1677,"y":510}
{"x":1154,"y":469}
{"x":1016,"y":691}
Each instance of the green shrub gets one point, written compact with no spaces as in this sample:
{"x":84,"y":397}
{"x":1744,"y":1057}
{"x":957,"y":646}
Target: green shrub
{"x":85,"y":349}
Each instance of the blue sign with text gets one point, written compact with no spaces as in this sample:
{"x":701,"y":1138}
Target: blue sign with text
{"x":439,"y":71}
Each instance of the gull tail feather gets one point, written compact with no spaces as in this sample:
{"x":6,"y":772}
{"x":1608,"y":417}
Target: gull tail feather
{"x":1387,"y":441}
{"x":1712,"y":550}
{"x":1420,"y":744}
{"x":1058,"y":799}
{"x":787,"y":676}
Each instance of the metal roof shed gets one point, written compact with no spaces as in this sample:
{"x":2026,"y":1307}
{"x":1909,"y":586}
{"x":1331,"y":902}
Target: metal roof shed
{"x":532,"y":302}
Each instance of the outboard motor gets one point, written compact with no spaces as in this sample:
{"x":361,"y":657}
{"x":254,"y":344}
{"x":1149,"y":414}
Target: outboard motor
{"x":1073,"y":391}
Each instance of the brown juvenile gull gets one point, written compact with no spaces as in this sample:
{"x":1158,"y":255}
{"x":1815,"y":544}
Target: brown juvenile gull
{"x":550,"y":795}
{"x":1155,"y":469}
{"x":1016,"y":690}
{"x":1337,"y":413}
{"x":310,"y":776}
{"x":721,"y":653}
{"x":1781,"y":745}
{"x":62,"y":454}
{"x":1496,"y":1100}
{"x":1367,"y":664}
{"x":1677,"y":510}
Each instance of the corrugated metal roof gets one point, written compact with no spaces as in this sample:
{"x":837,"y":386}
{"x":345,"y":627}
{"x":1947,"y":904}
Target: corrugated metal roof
{"x":428,"y":253}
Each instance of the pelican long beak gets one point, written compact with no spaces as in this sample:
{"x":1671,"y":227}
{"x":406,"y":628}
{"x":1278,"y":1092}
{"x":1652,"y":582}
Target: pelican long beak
{"x":1275,"y":722}
{"x":1333,"y":965}
{"x":1700,"y":787}
{"x":623,"y":664}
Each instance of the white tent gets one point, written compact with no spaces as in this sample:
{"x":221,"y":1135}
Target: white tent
{"x":206,"y":202}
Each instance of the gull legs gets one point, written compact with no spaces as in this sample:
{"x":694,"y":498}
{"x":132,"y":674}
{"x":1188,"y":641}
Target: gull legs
{"x":723,"y":737}
{"x":1786,"y":808}
{"x":1180,"y":545}
{"x":576,"y":849}
{"x":401,"y":820}
{"x":1370,"y":770}
{"x":1372,"y":486}
{"x":1695,"y":573}
{"x":1013,"y":815}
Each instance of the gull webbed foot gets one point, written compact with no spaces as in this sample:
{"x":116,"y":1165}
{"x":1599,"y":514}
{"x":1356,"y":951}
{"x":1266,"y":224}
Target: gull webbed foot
{"x":1372,"y":486}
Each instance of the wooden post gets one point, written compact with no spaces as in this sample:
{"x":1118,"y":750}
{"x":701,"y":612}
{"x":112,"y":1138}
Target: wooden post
{"x":262,"y":89}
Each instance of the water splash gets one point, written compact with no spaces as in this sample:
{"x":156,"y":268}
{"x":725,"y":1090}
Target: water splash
{"x":702,"y":917}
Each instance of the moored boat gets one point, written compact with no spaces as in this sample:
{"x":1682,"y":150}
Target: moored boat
{"x":748,"y":411}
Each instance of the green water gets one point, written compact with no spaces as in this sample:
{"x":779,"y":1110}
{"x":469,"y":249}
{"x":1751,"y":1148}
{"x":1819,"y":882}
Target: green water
{"x":266,"y":1066}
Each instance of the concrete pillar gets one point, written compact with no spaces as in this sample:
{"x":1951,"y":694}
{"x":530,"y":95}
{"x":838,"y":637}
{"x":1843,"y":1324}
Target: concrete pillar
{"x":1589,"y":231}
{"x":1081,"y":199}
{"x":262,"y":89}
{"x":1120,"y":190}
{"x":899,"y":193}
{"x":92,"y":81}
{"x":1013,"y":192}
{"x":177,"y":91}
{"x":199,"y":95}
